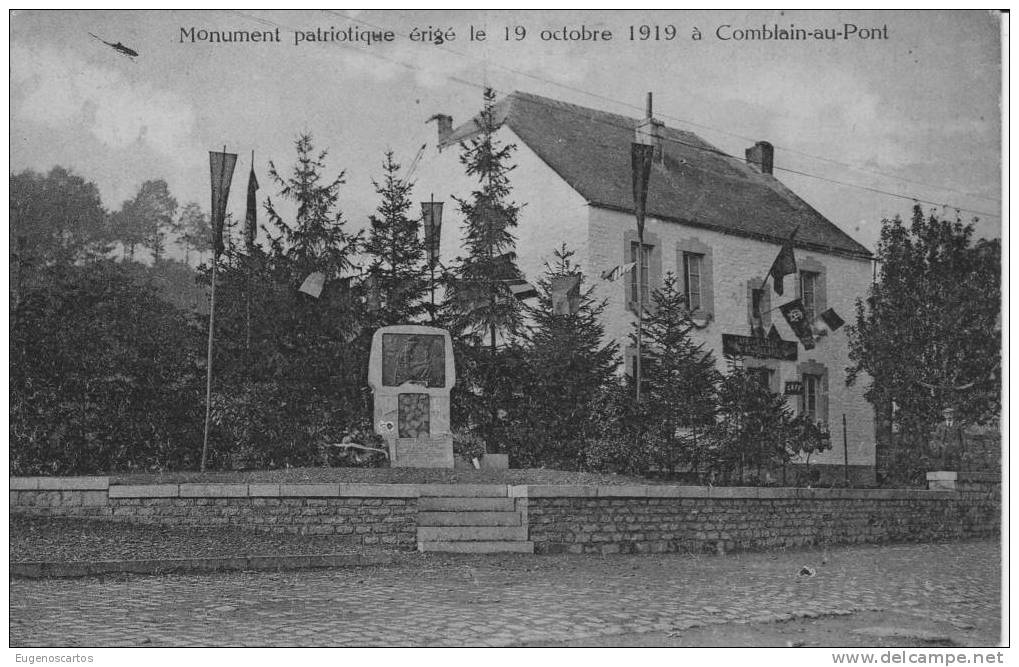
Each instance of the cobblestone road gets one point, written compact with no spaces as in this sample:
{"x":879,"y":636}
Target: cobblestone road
{"x":438,"y":600}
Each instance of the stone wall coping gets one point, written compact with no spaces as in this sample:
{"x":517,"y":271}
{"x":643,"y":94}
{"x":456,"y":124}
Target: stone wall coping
{"x":763,"y":492}
{"x":379,"y":490}
{"x":978,"y":476}
{"x":145,"y":491}
{"x":352,"y":490}
{"x":59,"y":483}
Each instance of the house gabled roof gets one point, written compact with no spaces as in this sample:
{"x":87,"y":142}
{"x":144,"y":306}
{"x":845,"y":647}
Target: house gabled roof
{"x":695,"y":184}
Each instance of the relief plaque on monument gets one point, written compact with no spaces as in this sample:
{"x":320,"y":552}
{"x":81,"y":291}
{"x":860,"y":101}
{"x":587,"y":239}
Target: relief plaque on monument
{"x":411,"y":373}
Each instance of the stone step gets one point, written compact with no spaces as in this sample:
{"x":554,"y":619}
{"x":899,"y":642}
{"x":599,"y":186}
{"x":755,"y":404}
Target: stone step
{"x":481,"y":547}
{"x":438,"y":504}
{"x":464,"y":490}
{"x":469,"y":519}
{"x":471,"y":533}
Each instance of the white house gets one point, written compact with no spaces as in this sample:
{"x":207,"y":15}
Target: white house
{"x":716,"y":222}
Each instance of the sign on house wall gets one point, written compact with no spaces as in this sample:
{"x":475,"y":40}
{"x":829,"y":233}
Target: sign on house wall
{"x":759,"y":348}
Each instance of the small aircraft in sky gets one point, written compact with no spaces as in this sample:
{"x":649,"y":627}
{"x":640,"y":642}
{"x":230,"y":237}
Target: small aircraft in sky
{"x":118,"y":47}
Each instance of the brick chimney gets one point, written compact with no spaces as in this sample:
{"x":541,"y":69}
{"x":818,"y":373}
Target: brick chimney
{"x":761,"y":156}
{"x":445,"y":126}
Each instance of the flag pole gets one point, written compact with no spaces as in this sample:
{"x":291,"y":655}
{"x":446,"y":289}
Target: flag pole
{"x":433,"y":247}
{"x":212,"y":316}
{"x":247,"y":285}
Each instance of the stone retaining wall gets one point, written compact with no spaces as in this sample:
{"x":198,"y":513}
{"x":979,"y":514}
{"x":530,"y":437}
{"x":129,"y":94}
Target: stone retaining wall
{"x":365,"y":514}
{"x":575,"y":519}
{"x":699,"y":519}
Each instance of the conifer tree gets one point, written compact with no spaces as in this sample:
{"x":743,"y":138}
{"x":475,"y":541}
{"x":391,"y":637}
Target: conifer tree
{"x":316,"y":240}
{"x":680,"y":376}
{"x":478,"y":293}
{"x":480,"y":308}
{"x":569,"y":366}
{"x":396,"y":250}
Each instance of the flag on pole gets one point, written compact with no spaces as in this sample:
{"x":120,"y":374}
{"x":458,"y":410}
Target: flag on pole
{"x":374,"y":294}
{"x":617,"y":271}
{"x":251,"y":219}
{"x":431,"y":217}
{"x":826,"y":322}
{"x":641,"y":156}
{"x":796,"y":316}
{"x":221,"y":168}
{"x":784,"y":264}
{"x":521,"y":289}
{"x":313,"y":284}
{"x":565,"y":294}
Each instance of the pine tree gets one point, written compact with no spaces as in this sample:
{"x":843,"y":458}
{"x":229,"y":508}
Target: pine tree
{"x":193,"y":229}
{"x":316,"y":239}
{"x":569,"y":365}
{"x":679,"y":377}
{"x":478,"y":293}
{"x":144,"y":219}
{"x":479,"y":307}
{"x":396,"y":250}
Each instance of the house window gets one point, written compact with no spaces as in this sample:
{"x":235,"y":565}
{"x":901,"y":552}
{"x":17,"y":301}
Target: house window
{"x":762,"y":376}
{"x":692,"y":271}
{"x":808,"y":293}
{"x":757,"y":312}
{"x":812,"y":397}
{"x":645,"y":266}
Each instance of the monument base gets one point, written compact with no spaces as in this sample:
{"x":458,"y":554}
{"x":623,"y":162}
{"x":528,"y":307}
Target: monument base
{"x":423,"y":453}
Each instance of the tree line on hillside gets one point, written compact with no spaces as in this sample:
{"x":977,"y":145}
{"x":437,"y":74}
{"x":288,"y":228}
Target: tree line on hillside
{"x":108,"y":354}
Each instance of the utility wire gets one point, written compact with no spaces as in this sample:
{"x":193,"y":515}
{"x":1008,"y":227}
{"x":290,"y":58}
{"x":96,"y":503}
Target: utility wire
{"x":681,"y":120}
{"x":707,"y":149}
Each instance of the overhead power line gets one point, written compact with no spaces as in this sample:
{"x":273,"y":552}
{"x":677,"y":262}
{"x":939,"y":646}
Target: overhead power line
{"x":708,"y":149}
{"x":681,"y":120}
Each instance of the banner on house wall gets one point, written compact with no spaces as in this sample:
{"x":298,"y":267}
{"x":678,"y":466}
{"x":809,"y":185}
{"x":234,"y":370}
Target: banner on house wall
{"x":759,"y":348}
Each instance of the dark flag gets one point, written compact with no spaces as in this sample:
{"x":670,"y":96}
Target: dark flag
{"x":565,"y":294}
{"x":251,"y":219}
{"x":221,"y":168}
{"x":641,"y":156}
{"x":796,"y":316}
{"x":431,"y":217}
{"x":827,"y":322}
{"x":784,"y":264}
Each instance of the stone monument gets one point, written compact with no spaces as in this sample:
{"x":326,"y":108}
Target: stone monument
{"x":411,"y":373}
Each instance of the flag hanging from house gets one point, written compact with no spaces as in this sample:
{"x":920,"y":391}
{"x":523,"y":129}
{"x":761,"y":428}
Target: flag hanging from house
{"x":221,"y":170}
{"x":251,"y":218}
{"x":565,"y":294}
{"x":826,"y":322}
{"x":617,"y":271}
{"x":784,"y":264}
{"x":431,"y":218}
{"x":640,"y":157}
{"x":521,"y":289}
{"x":313,"y":284}
{"x":795,"y":314}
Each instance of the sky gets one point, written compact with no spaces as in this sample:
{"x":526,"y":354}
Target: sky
{"x":915,"y":113}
